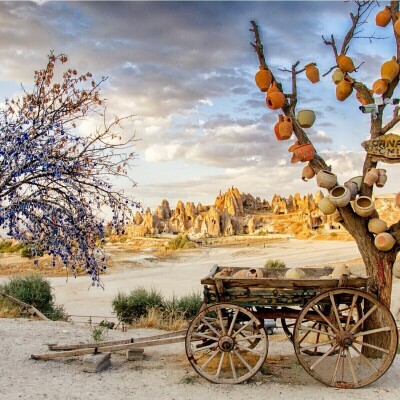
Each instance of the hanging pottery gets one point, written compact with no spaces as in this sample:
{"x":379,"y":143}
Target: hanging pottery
{"x":371,"y":177}
{"x":308,"y":173}
{"x":383,"y":17}
{"x":364,"y":206}
{"x":337,"y":76}
{"x":390,"y":69}
{"x":275,"y":98}
{"x":344,"y":88}
{"x":263,"y":78}
{"x":285,"y":128}
{"x":312,"y":72}
{"x":292,"y":149}
{"x":276,"y":127}
{"x":353,"y":188}
{"x":382,"y":178}
{"x":345,"y":63}
{"x":379,"y":87}
{"x":305,"y":152}
{"x":340,"y":196}
{"x":306,"y":118}
{"x":396,"y":25}
{"x":326,"y":179}
{"x":326,"y":206}
{"x":376,"y":225}
{"x":384,"y":241}
{"x":358,"y":180}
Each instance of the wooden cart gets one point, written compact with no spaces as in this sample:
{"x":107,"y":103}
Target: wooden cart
{"x":342,"y":336}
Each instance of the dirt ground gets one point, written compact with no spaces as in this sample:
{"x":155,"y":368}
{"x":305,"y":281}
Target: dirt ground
{"x":164,"y":374}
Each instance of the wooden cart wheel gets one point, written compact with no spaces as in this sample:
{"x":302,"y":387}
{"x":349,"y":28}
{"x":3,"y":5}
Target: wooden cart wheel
{"x":226,"y":343}
{"x":335,"y":341}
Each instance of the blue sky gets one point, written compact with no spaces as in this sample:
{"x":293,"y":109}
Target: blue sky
{"x":186,"y":70}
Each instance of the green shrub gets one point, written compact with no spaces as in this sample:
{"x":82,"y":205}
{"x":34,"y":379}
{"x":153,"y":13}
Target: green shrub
{"x":275,"y":264}
{"x":36,"y":291}
{"x":130,"y":308}
{"x":180,"y":242}
{"x":6,"y":246}
{"x":190,"y":304}
{"x":30,"y":252}
{"x":100,"y":333}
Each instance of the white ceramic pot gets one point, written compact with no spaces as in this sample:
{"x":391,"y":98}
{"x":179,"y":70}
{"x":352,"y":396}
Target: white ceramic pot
{"x":364,"y":206}
{"x":326,"y":179}
{"x":326,"y":206}
{"x":376,"y":225}
{"x":384,"y":241}
{"x":340,"y":196}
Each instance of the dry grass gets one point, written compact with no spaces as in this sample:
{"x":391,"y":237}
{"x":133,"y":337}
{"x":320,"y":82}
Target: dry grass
{"x":161,"y":320}
{"x":8,"y":309}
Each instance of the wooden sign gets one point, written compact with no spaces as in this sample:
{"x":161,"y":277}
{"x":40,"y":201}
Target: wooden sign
{"x":386,"y":148}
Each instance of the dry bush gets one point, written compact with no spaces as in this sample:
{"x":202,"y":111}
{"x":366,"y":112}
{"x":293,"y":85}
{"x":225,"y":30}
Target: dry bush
{"x":8,"y":309}
{"x":155,"y":318}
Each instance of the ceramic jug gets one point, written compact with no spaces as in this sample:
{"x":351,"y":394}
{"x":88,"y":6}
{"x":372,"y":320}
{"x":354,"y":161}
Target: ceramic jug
{"x":364,"y":206}
{"x":263,"y":78}
{"x":340,"y":196}
{"x":384,"y":241}
{"x":380,"y":87}
{"x":285,"y":128}
{"x":371,"y":177}
{"x":345,"y":63}
{"x":276,"y":127}
{"x":312,"y":72}
{"x":383,"y":17}
{"x":382,"y":178}
{"x":344,"y":88}
{"x":308,"y":173}
{"x":326,"y":179}
{"x":390,"y":69}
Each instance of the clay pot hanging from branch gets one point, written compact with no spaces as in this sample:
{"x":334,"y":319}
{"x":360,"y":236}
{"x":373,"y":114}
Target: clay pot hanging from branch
{"x":380,"y":87}
{"x":376,"y":225}
{"x":337,"y":76}
{"x":364,"y":206}
{"x":390,"y":69}
{"x":344,"y":88}
{"x":326,"y":179}
{"x":306,"y":118}
{"x":275,"y":98}
{"x":312,"y":72}
{"x":384,"y":241}
{"x":285,"y":129}
{"x":307,"y":173}
{"x":345,"y":63}
{"x":383,"y":17}
{"x":304,"y":152}
{"x":263,"y":78}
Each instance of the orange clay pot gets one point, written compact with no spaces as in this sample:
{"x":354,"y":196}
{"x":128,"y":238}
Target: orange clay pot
{"x":390,"y":69}
{"x":263,"y":78}
{"x":305,"y":152}
{"x":379,"y":87}
{"x":345,"y":63}
{"x":396,"y":25}
{"x":312,"y":72}
{"x":276,"y":127}
{"x":275,"y":99}
{"x":286,"y":129}
{"x":344,"y":88}
{"x":383,"y":17}
{"x":307,"y":173}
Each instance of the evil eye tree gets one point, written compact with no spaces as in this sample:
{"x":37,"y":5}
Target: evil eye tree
{"x":56,"y":183}
{"x":352,"y":201}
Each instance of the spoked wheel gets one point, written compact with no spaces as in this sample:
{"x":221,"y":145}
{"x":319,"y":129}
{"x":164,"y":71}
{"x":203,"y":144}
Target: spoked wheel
{"x":226,"y":343}
{"x":345,"y":338}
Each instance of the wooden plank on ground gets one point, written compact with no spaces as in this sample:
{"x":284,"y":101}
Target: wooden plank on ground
{"x":33,"y":310}
{"x":104,"y":349}
{"x":76,"y":346}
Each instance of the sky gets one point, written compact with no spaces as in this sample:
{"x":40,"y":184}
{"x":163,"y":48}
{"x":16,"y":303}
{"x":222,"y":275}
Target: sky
{"x":185,"y":70}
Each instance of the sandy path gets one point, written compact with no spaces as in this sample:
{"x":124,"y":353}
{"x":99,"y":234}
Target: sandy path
{"x":164,"y":374}
{"x":182,"y":275}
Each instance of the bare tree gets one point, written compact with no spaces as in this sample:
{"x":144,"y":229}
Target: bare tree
{"x":55,"y":183}
{"x":379,"y":264}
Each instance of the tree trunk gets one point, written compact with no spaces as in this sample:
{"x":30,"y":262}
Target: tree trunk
{"x":379,"y":269}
